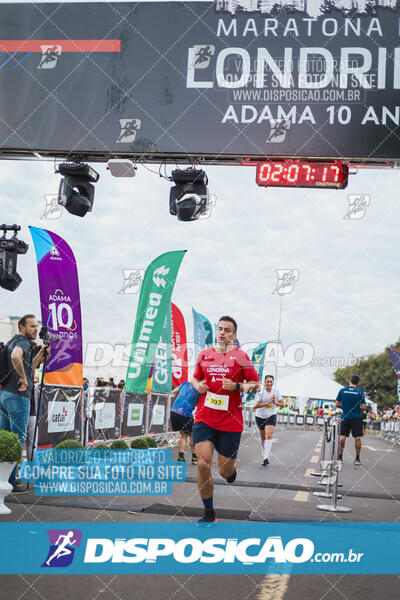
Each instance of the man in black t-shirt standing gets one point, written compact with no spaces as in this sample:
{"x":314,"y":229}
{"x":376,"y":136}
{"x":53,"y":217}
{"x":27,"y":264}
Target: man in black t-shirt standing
{"x":15,"y":394}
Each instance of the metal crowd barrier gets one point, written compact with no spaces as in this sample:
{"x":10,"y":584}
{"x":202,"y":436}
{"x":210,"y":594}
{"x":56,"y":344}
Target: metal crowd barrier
{"x":293,"y":420}
{"x":390,"y":431}
{"x":330,"y":468}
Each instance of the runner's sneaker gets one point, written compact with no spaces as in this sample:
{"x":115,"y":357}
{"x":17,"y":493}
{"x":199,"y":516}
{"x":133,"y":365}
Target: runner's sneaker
{"x":357,"y":460}
{"x":194,"y":460}
{"x":265,"y":462}
{"x":232,"y":478}
{"x":207,"y":519}
{"x":180,"y":459}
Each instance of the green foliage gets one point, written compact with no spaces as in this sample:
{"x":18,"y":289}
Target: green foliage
{"x":10,"y":447}
{"x":69,"y":445}
{"x":140,"y":443}
{"x":119,"y":445}
{"x":377,"y":377}
{"x":100,"y":447}
{"x":151,"y":442}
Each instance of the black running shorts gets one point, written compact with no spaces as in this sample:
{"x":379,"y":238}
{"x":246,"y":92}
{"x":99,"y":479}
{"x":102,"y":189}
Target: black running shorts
{"x":353,"y":425}
{"x":181,"y":423}
{"x":261,"y":423}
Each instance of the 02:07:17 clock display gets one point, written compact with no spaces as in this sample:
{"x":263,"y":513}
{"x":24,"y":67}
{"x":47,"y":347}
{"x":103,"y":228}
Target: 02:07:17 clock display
{"x":302,"y":173}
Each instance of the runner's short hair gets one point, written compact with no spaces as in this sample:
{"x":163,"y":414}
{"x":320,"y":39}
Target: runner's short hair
{"x":354,"y":379}
{"x":23,"y":320}
{"x":269,"y":376}
{"x":227,"y":318}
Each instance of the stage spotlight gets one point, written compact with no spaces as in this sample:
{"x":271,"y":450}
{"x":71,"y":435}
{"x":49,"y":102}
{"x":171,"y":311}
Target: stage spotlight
{"x":9,"y":249}
{"x":76,"y":192}
{"x":189,"y":198}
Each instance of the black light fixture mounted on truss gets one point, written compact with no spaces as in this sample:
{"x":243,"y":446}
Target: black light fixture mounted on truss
{"x":76,"y":191}
{"x":189,"y":198}
{"x":9,"y":250}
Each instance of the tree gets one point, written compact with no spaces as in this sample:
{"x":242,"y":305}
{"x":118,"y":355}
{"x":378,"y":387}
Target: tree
{"x":377,"y":377}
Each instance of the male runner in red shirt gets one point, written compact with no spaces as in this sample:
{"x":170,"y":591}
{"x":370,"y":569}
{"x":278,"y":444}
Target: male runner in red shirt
{"x":219,"y":376}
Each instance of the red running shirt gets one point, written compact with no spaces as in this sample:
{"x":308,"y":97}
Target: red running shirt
{"x":212,"y":367}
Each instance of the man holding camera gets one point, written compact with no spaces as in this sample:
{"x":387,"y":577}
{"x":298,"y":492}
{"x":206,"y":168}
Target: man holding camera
{"x":16,"y":391}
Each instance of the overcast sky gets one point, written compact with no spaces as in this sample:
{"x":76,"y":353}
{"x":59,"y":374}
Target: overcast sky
{"x":344,"y":304}
{"x":345,"y":301}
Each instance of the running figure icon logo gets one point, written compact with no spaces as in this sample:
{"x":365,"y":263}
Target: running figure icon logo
{"x":62,"y":547}
{"x":202,"y":56}
{"x":286,"y":280}
{"x":358,"y":204}
{"x":50,"y":56}
{"x":132,"y":281}
{"x":129,"y":128}
{"x":278,"y":131}
{"x":53,"y":210}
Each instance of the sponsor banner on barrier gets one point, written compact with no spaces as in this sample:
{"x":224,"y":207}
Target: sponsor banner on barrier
{"x":224,"y":548}
{"x":158,"y":413}
{"x":60,"y":414}
{"x":135,"y":415}
{"x":105,"y":419}
{"x":135,"y":412}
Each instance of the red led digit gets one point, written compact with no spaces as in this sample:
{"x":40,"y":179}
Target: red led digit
{"x":337,"y":171}
{"x":265,"y":172}
{"x":276,"y":173}
{"x":309,"y":169}
{"x":325,"y":174}
{"x":293,"y":173}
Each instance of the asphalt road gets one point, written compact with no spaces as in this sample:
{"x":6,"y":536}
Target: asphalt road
{"x":281,"y":492}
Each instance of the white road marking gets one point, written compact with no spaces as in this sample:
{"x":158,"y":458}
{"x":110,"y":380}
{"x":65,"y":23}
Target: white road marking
{"x":378,"y":449}
{"x":302,"y":496}
{"x":273,"y":587}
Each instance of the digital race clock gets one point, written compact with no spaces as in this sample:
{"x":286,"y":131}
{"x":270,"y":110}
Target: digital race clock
{"x":302,"y":173}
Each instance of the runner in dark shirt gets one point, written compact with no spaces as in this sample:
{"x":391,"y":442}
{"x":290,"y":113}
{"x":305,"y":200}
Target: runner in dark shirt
{"x":351,"y":400}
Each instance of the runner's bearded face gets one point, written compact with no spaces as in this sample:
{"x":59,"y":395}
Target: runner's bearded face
{"x":225,"y":334}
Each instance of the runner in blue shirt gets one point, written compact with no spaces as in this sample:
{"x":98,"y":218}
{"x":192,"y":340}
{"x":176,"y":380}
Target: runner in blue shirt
{"x":352,"y":401}
{"x":182,"y":416}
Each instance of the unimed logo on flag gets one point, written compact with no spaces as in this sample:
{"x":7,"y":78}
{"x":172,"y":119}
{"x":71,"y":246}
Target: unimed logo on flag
{"x":62,"y":547}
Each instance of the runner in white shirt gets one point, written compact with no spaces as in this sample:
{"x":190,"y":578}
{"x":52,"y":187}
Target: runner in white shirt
{"x":265,"y":409}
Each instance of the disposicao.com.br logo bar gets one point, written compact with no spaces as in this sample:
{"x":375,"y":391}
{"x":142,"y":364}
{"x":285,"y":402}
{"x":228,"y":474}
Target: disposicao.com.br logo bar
{"x":224,"y":548}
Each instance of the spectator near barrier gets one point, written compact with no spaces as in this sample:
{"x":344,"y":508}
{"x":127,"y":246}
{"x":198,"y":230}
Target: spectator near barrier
{"x":17,"y":388}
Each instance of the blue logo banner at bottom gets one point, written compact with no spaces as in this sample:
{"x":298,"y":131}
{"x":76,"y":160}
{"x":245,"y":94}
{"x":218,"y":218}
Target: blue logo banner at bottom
{"x":222,"y":548}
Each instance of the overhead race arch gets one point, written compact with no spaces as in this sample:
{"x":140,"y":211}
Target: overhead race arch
{"x":223,"y":80}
